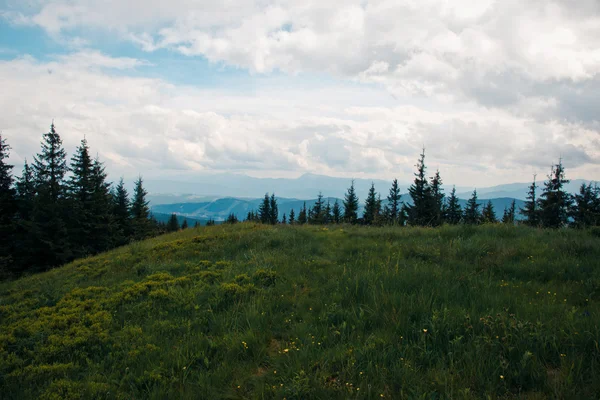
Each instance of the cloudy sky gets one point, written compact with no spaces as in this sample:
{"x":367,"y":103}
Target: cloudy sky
{"x":495,"y":89}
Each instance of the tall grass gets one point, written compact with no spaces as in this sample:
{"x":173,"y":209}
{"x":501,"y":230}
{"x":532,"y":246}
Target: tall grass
{"x":250,"y":311}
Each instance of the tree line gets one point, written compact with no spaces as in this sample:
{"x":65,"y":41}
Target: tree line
{"x":60,"y":209}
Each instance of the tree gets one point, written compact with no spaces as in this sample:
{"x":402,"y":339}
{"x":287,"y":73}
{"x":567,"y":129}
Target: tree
{"x":232,"y":219}
{"x":25,"y":193}
{"x":264,"y":210}
{"x":302,"y":215}
{"x":184,"y":225}
{"x":372,"y":207}
{"x":437,"y":200}
{"x":196,"y":225}
{"x":103,"y":227}
{"x":488,"y":216}
{"x":336,"y":213}
{"x":317,"y":213}
{"x":453,"y":213}
{"x":584,"y":211}
{"x":140,"y":212}
{"x":472,"y":216}
{"x":327,"y":217}
{"x":273,"y":210}
{"x":25,"y":235}
{"x":510,"y":214}
{"x":530,"y":211}
{"x":122,"y":218}
{"x":284,"y":219}
{"x":210,"y":222}
{"x":49,"y":231}
{"x":351,"y":205}
{"x":8,"y":211}
{"x":419,"y":213}
{"x":393,"y":208}
{"x":173,"y":224}
{"x":554,"y":201}
{"x":292,"y":217}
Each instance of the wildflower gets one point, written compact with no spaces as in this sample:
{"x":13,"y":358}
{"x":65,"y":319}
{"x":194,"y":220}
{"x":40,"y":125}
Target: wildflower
{"x":563,"y":355}
{"x":274,"y":372}
{"x":501,"y":376}
{"x":424,"y":330}
{"x":286,"y":350}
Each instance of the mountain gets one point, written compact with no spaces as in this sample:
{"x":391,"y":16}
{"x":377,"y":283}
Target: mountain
{"x":160,"y":217}
{"x":517,"y":190}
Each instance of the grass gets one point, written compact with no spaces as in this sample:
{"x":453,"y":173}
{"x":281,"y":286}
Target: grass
{"x":250,"y":311}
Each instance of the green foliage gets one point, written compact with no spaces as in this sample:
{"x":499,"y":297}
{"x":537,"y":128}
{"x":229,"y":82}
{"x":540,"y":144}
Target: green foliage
{"x":8,"y":210}
{"x":393,"y":209}
{"x":488,"y":216}
{"x":254,"y":311}
{"x":173,"y":224}
{"x":530,"y":211}
{"x":372,"y":213}
{"x":472,"y":216}
{"x":554,"y":202}
{"x":351,"y":205}
{"x":420,"y":213}
{"x":453,"y":210}
{"x":141,"y":226}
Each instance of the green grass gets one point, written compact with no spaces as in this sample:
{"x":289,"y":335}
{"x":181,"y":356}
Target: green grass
{"x":250,"y":311}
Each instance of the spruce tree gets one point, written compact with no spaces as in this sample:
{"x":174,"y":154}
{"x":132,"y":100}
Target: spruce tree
{"x":453,"y":214}
{"x":173,"y":224}
{"x":122,"y":218}
{"x":327,"y":214}
{"x":583,"y":211}
{"x":351,"y":205}
{"x":292,"y":217}
{"x":336,"y":213}
{"x":472,"y":215}
{"x":51,"y":245}
{"x":184,"y":225}
{"x":488,"y":216}
{"x":8,"y":212}
{"x":370,"y":214}
{"x":437,"y":200}
{"x":393,"y":207}
{"x":141,"y":225}
{"x":554,"y":201}
{"x":284,"y":219}
{"x":210,"y":222}
{"x":264,"y":210}
{"x":317,"y":213}
{"x":232,"y":219}
{"x":302,"y":215}
{"x":530,"y":211}
{"x":510,"y":214}
{"x":103,"y":225}
{"x":25,"y":238}
{"x":196,"y":225}
{"x":273,"y":210}
{"x":420,"y":212}
{"x":25,"y":186}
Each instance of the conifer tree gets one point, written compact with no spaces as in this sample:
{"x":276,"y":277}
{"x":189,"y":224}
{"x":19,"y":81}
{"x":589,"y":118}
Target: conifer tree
{"x":372,"y":209}
{"x":584,"y":211}
{"x":8,"y":211}
{"x":51,"y":244}
{"x":25,"y":193}
{"x":530,"y":211}
{"x":232,"y":219}
{"x":393,"y":207}
{"x":327,"y":214}
{"x":173,"y":224}
{"x":184,"y":225}
{"x":292,"y":217}
{"x":103,"y":226}
{"x":336,"y":213}
{"x":196,"y":225}
{"x":264,"y":210}
{"x":122,"y":218}
{"x":510,"y":214}
{"x":453,"y":213}
{"x":25,"y":235}
{"x":302,"y":215}
{"x":140,"y":212}
{"x":554,"y":201}
{"x":210,"y":222}
{"x":419,"y":213}
{"x":284,"y":219}
{"x":472,"y":215}
{"x":351,"y":205}
{"x":317,"y":213}
{"x":488,"y":216}
{"x":437,"y":200}
{"x":273,"y":210}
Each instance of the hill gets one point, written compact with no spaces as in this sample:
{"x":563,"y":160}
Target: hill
{"x":251,"y":311}
{"x":191,"y":221}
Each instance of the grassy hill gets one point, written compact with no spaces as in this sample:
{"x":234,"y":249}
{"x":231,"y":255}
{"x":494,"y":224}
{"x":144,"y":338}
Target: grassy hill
{"x":249,"y":311}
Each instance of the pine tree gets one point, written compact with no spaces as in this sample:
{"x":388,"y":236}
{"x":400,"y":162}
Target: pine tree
{"x":264,"y":210}
{"x":292,"y":217}
{"x":530,"y":212}
{"x":49,"y":231}
{"x":351,"y":205}
{"x":122,"y":218}
{"x":419,"y":213}
{"x":584,"y":211}
{"x":173,"y":224}
{"x":232,"y":219}
{"x":393,"y":207}
{"x":453,"y":214}
{"x":140,"y":212}
{"x":488,"y":216}
{"x":370,"y":214}
{"x":196,"y":225}
{"x":103,"y":225}
{"x":302,"y":215}
{"x":210,"y":222}
{"x":25,"y":193}
{"x":327,"y":217}
{"x":25,"y":237}
{"x":437,"y":200}
{"x":317,"y":213}
{"x":336,"y":213}
{"x":273,"y":210}
{"x":472,"y":215}
{"x":284,"y":219}
{"x":554,"y":201}
{"x":510,"y":214}
{"x":8,"y":212}
{"x":184,"y":225}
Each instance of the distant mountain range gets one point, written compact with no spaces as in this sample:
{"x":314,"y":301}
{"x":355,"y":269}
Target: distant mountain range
{"x":219,"y":209}
{"x":207,"y":188}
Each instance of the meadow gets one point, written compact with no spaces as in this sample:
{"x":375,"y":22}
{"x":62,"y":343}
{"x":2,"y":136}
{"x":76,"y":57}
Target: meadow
{"x":249,"y":311}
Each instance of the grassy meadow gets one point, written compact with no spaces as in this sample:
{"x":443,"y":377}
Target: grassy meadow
{"x":258,"y":312}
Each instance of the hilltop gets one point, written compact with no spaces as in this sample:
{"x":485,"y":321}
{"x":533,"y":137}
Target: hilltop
{"x":252,"y":311}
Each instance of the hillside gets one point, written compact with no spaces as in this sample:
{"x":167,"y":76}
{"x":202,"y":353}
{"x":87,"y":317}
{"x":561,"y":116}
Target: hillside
{"x":251,"y":311}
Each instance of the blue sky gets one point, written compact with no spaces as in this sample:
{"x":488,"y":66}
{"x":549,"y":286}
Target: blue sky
{"x":495,"y":92}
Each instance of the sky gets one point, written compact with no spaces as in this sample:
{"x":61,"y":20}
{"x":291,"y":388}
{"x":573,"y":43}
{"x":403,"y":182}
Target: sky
{"x":494,"y":90}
